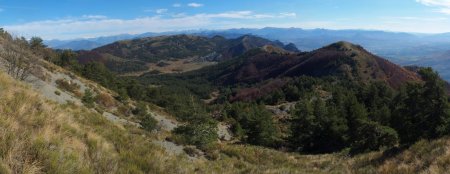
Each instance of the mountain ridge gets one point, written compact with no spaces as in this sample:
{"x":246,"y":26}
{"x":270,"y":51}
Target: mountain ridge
{"x":399,"y":47}
{"x":177,"y":47}
{"x":339,"y":59}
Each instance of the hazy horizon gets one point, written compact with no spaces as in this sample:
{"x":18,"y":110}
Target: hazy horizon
{"x":228,"y":29}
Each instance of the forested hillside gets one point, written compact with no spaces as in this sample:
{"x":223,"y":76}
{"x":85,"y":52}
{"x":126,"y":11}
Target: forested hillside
{"x":135,"y":55}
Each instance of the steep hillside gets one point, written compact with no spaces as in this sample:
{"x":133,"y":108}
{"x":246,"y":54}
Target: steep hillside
{"x":341,"y":59}
{"x":123,"y":56}
{"x":39,"y":136}
{"x":240,"y":45}
{"x":353,"y":62}
{"x":158,"y":48}
{"x":42,"y":137}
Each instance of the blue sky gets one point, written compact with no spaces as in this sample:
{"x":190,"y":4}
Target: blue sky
{"x":67,"y":19}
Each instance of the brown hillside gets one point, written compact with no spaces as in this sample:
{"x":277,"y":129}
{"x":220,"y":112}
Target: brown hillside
{"x":341,"y":59}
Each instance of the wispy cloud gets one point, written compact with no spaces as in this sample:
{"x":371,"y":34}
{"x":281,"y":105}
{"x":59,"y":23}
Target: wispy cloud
{"x":286,"y":14}
{"x":442,"y":6}
{"x":236,"y":15}
{"x":195,"y":5}
{"x":97,"y":25}
{"x":445,"y":3}
{"x":246,"y":15}
{"x":161,"y":11}
{"x":176,"y":5}
{"x":94,"y":17}
{"x":414,"y":18}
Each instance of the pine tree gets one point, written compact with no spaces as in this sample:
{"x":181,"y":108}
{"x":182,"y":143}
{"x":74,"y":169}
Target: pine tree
{"x":421,"y":110}
{"x":88,"y":98}
{"x":303,"y":126}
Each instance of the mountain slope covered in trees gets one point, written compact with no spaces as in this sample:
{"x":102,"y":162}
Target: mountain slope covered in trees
{"x":343,"y":97}
{"x":341,"y":59}
{"x":132,"y":55}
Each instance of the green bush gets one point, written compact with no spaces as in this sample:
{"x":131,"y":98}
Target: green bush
{"x":148,"y":123}
{"x":372,"y":136}
{"x":199,"y":133}
{"x":253,"y":124}
{"x":67,"y":86}
{"x":88,"y":98}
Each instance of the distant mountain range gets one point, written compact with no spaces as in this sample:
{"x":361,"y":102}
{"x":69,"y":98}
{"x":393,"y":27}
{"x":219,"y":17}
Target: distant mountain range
{"x":401,"y":48}
{"x":439,"y":61}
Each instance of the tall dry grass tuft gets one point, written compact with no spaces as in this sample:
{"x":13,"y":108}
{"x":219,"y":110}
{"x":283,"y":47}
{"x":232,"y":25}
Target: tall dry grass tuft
{"x":105,"y":100}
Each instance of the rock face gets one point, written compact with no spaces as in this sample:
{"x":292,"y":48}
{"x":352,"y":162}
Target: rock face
{"x":223,"y":132}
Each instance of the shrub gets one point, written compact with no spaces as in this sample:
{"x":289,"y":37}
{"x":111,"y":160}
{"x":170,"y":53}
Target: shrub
{"x":191,"y":151}
{"x":105,"y":100}
{"x":124,"y":110}
{"x":57,"y":93}
{"x":197,"y":133}
{"x":68,"y":86}
{"x":253,"y":124}
{"x":88,"y":98}
{"x":148,"y":123}
{"x":372,"y":136}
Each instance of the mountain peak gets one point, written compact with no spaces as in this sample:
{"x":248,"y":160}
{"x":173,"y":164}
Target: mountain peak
{"x":344,"y":46}
{"x":341,"y":59}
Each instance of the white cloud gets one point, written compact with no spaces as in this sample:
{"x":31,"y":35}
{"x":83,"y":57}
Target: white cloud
{"x":94,"y":17}
{"x":88,"y":26}
{"x":97,"y":25}
{"x":444,"y":10}
{"x":176,"y":5}
{"x":161,"y":11}
{"x":413,"y":18}
{"x":79,"y":28}
{"x":445,"y":3}
{"x":179,"y":15}
{"x":236,"y":15}
{"x":286,"y":14}
{"x":442,"y":6}
{"x":246,"y":15}
{"x":195,"y":5}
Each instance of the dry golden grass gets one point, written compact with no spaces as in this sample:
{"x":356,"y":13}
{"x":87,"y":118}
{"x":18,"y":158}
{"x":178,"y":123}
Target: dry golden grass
{"x":173,"y":66}
{"x":105,"y":100}
{"x":38,"y":136}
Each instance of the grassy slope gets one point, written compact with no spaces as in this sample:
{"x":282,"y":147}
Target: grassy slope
{"x":41,"y":137}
